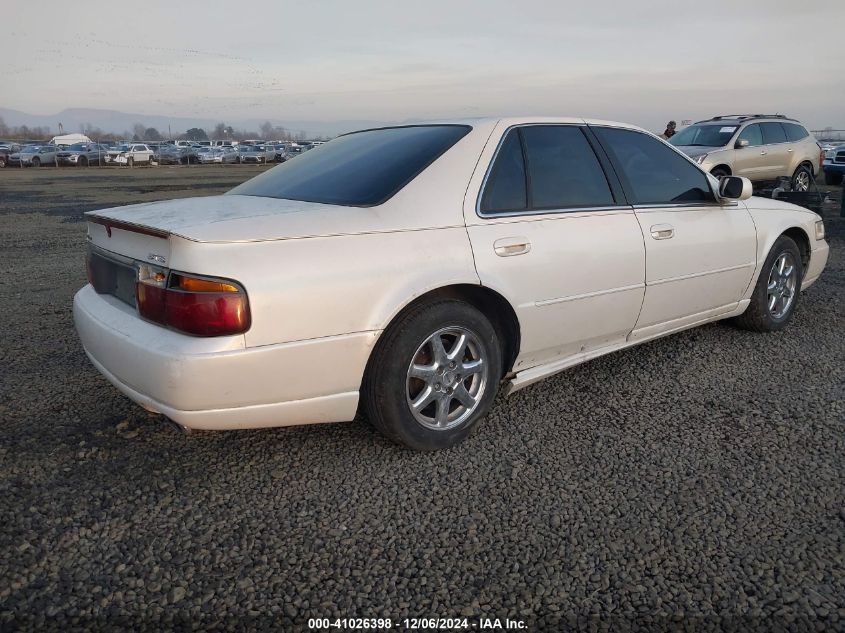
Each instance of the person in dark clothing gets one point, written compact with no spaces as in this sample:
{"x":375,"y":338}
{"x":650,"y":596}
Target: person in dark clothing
{"x":670,"y":130}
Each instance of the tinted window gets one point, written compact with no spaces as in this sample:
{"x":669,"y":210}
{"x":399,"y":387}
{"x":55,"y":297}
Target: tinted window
{"x":563,"y":170}
{"x":753,"y":134}
{"x":795,"y":132}
{"x":654,"y":173}
{"x":505,"y":189}
{"x":704,"y":135}
{"x":358,"y":169}
{"x":773,"y":133}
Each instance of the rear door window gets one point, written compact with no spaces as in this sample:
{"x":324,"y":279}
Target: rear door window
{"x":773,"y":133}
{"x":653,"y":173}
{"x":563,"y":171}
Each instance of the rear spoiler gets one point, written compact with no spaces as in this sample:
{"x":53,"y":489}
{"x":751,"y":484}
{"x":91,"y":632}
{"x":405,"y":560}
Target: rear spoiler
{"x":127,"y":226}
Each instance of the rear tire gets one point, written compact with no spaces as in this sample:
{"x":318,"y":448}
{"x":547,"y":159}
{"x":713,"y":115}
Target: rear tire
{"x":453,"y":383}
{"x":832,"y":178}
{"x":36,"y":162}
{"x":802,"y":178}
{"x":777,"y":291}
{"x":83,"y":162}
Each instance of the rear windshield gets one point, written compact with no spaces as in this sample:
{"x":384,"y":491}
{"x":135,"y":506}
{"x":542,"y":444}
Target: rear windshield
{"x":360,"y":169}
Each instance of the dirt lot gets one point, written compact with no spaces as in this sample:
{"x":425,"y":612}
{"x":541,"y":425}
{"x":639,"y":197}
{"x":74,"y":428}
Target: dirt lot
{"x":700,"y":476}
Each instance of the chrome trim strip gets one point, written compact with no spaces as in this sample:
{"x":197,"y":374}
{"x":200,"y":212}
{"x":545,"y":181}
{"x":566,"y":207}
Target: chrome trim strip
{"x":683,"y":205}
{"x":534,"y":214}
{"x":588,"y":295}
{"x":708,"y":272}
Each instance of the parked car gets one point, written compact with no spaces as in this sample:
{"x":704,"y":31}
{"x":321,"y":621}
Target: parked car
{"x":5,"y":152}
{"x":34,"y":156}
{"x":834,"y":165}
{"x":758,"y":147}
{"x":222,"y":154}
{"x":168,"y":154}
{"x":444,"y":261}
{"x":281,"y":152}
{"x":136,"y":153}
{"x":83,"y":154}
{"x":10,"y":146}
{"x":256,"y":153}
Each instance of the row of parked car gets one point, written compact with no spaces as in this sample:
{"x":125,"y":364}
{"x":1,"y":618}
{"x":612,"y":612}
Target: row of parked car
{"x":169,"y":153}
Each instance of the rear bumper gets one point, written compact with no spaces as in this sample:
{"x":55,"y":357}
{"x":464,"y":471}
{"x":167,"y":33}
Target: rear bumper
{"x":217,"y":383}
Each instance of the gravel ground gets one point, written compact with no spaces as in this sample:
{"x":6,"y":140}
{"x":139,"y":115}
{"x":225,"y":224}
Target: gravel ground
{"x":695,"y":481}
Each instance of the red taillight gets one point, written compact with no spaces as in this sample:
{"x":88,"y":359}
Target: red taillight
{"x":197,"y":306}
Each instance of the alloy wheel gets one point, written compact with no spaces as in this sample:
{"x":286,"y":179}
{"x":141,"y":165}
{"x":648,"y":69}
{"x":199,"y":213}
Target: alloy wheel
{"x":447,"y":378}
{"x":802,"y":181}
{"x":783,"y":280}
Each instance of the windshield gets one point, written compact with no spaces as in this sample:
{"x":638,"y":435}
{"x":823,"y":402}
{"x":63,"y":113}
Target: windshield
{"x":359,"y":169}
{"x":78,"y":147}
{"x":705,"y":135}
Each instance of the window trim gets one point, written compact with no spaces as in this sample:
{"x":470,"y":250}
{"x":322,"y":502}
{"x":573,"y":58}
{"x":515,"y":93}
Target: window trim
{"x":615,"y":188}
{"x":623,"y":180}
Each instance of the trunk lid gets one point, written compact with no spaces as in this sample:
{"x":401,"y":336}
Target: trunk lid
{"x":226,"y":218}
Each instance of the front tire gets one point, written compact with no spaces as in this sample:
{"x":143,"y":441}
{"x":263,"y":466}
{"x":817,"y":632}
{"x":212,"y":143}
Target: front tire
{"x":433,"y":375}
{"x":36,"y":162}
{"x":777,"y":291}
{"x":720,"y":172}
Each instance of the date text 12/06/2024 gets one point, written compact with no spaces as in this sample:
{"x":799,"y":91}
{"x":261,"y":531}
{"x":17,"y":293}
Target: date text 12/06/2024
{"x":413,"y":624}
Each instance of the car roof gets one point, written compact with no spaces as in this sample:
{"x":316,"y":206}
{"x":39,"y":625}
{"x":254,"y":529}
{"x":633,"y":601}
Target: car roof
{"x":511,"y":121}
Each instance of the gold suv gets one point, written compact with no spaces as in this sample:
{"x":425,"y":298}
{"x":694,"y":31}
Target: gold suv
{"x":757,"y":146}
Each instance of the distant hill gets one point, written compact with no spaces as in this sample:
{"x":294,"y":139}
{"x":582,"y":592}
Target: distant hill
{"x":119,"y":122}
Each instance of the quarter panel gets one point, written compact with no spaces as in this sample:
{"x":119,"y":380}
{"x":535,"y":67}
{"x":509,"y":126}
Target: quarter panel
{"x":325,"y":286}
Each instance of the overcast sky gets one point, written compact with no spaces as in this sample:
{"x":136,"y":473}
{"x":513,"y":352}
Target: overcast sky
{"x":639,"y":61}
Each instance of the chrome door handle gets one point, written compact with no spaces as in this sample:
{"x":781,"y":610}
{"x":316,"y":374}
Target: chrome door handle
{"x":789,"y":150}
{"x":763,"y":153}
{"x":510,"y":246}
{"x":662,"y":231}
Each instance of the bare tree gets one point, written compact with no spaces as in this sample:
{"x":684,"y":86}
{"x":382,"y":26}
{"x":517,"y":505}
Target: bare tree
{"x":138,"y":131}
{"x":220,"y":131}
{"x":152,"y":134}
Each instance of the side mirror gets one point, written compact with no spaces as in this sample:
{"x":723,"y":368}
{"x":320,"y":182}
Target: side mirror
{"x":743,"y":142}
{"x":735,"y":188}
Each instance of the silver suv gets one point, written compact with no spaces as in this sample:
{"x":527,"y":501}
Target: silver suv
{"x":757,"y":146}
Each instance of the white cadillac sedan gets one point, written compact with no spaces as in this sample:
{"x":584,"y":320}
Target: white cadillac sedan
{"x":416,"y":270}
